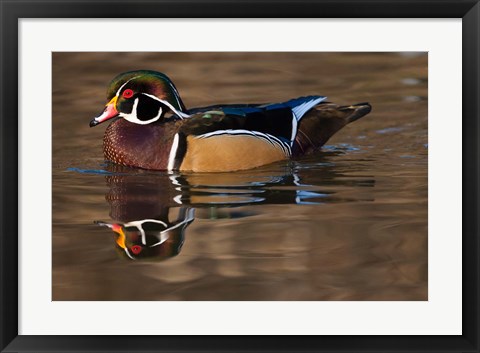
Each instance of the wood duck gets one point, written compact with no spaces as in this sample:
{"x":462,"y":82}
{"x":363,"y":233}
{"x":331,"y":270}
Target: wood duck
{"x":152,"y":129}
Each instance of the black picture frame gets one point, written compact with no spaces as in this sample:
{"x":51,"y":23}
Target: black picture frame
{"x":13,"y":10}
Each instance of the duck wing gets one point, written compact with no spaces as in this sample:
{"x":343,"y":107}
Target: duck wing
{"x":277,"y":120}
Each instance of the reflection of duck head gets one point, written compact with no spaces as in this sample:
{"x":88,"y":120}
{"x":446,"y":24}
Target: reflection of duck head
{"x":141,"y":207}
{"x":151,"y":238}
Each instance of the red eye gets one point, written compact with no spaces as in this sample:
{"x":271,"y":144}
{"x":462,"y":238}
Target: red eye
{"x":128,"y":93}
{"x":136,"y":249}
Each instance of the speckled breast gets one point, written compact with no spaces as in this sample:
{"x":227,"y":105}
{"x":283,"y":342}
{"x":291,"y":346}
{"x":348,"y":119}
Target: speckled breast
{"x":141,"y":146}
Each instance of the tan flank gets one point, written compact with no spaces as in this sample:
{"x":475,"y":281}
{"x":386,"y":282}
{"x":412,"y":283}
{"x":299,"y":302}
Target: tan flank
{"x":228,"y":152}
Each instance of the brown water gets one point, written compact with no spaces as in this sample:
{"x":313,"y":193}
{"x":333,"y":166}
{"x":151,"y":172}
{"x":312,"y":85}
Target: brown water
{"x":349,"y":223}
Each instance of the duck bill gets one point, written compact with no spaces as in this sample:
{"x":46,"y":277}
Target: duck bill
{"x":108,"y":113}
{"x":117,"y":228}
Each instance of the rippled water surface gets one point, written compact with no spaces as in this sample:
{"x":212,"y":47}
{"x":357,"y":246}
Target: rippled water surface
{"x":348,"y":223}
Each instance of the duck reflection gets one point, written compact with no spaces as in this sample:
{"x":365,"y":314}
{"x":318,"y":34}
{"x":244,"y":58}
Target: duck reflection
{"x":142,"y":203}
{"x":151,"y":238}
{"x":141,"y":206}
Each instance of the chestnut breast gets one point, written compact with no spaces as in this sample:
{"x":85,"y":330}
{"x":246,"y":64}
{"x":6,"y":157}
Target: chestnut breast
{"x":141,"y":146}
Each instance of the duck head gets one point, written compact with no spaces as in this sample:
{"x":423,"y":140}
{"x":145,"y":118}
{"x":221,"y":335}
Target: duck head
{"x":141,"y":97}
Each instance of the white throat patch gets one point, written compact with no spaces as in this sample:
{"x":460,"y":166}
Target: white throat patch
{"x":132,"y":116}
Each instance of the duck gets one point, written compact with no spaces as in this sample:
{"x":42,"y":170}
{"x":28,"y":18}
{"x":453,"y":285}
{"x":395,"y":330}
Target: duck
{"x":151,"y":128}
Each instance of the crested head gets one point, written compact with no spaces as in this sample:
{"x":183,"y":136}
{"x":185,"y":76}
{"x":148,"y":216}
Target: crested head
{"x":141,"y":97}
{"x":146,"y":81}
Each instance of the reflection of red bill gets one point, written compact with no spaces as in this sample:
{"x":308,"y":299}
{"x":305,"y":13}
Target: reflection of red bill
{"x":117,"y":228}
{"x":108,"y":113}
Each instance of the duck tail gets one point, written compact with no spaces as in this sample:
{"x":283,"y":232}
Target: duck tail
{"x":322,"y":122}
{"x":356,"y":111}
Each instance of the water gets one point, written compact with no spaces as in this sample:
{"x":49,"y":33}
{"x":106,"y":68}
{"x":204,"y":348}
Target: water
{"x":349,"y":223}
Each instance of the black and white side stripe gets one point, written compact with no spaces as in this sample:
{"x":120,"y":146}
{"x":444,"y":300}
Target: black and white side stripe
{"x":274,"y":141}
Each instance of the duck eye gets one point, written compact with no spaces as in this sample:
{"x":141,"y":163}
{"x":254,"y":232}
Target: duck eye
{"x":128,"y":93}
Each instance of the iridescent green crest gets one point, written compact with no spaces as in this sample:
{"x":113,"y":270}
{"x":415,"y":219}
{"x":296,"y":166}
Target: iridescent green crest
{"x":147,"y":81}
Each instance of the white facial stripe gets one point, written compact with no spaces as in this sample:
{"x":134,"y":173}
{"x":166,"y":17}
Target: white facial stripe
{"x":132,"y":117}
{"x":120,"y":89}
{"x":176,"y":95}
{"x":176,"y":111}
{"x":138,"y":224}
{"x":162,"y":238}
{"x":134,"y":108}
{"x":126,"y":252}
{"x":184,"y":223}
